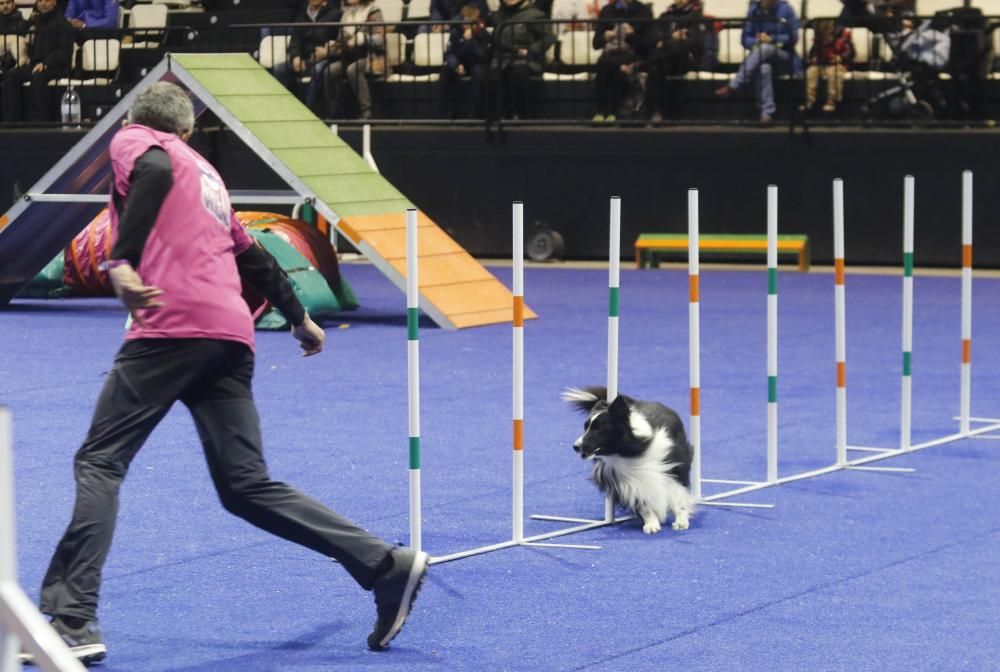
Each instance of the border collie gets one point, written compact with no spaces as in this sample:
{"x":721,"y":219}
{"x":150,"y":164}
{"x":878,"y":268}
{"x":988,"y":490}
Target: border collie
{"x":641,"y":455}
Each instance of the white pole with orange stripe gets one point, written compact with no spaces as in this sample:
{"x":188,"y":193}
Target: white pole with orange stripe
{"x":965,"y":402}
{"x":614,"y":279}
{"x":906,"y":399}
{"x":839,"y":326}
{"x":413,"y":374}
{"x":518,"y":335}
{"x":694,"y":340}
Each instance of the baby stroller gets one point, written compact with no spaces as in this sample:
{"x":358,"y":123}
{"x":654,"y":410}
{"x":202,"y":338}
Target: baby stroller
{"x":919,"y":55}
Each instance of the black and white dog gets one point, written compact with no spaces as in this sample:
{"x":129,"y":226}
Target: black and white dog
{"x":641,"y":455}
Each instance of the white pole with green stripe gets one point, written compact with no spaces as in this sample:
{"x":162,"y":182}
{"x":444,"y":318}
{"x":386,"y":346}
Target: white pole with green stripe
{"x":906,"y":399}
{"x":965,"y":392}
{"x":840,"y":311}
{"x":694,"y":343}
{"x":614,"y":277}
{"x":518,"y":336}
{"x":413,"y":373}
{"x":772,"y":333}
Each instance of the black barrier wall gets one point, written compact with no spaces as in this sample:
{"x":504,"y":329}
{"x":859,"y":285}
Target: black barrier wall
{"x":466,"y":179}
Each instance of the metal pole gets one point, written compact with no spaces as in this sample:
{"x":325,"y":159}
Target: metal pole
{"x":694,"y":339}
{"x":772,"y":333}
{"x":413,"y":373}
{"x":906,"y":398}
{"x":965,"y":400}
{"x":614,"y":277}
{"x":839,"y":308}
{"x":518,"y":336}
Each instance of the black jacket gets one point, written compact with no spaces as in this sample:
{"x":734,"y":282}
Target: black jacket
{"x":614,"y":14}
{"x":306,"y":38}
{"x":51,"y":41}
{"x":13,"y":23}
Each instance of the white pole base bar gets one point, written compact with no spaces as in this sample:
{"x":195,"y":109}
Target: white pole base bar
{"x":887,"y":469}
{"x":737,"y":505}
{"x":727,"y":482}
{"x":870,"y":449}
{"x":852,"y":463}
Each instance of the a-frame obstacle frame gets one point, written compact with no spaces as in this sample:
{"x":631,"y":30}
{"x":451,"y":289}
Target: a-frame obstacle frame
{"x":318,"y":167}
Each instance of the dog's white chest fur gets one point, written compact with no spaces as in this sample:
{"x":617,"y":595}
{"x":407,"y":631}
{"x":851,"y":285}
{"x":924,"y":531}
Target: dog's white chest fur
{"x":643,"y":483}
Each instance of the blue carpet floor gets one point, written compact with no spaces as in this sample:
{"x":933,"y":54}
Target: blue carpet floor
{"x":851,"y":571}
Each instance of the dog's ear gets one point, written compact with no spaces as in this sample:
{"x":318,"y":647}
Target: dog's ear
{"x":619,"y":408}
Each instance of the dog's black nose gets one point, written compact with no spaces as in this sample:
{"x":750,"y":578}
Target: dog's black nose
{"x":576,"y":448}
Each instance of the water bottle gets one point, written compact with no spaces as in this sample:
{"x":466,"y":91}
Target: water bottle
{"x":70,"y":108}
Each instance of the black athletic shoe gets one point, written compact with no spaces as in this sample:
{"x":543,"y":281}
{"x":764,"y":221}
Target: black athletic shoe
{"x":395,"y":592}
{"x":86,"y":642}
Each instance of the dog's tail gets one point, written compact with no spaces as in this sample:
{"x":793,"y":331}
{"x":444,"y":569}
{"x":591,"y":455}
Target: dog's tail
{"x":583,"y":399}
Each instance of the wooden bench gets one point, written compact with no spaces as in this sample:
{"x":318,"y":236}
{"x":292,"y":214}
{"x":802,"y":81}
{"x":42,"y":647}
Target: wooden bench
{"x":650,"y":246}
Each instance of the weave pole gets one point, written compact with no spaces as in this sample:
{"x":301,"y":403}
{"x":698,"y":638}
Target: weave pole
{"x":518,"y":377}
{"x":839,"y":326}
{"x":906,"y":397}
{"x":772,"y":333}
{"x":694,"y":339}
{"x":413,"y":374}
{"x":614,"y":278}
{"x":965,"y":396}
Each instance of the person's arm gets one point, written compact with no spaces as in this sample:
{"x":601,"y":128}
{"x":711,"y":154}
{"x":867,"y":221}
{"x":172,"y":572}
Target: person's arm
{"x":104,"y":17}
{"x":260,"y":270}
{"x":151,"y":180}
{"x":149,"y":183}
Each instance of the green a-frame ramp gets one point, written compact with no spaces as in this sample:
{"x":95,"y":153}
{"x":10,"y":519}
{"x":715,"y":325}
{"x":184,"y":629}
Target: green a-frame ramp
{"x":318,"y":167}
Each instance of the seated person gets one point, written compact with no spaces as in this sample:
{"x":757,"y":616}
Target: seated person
{"x":12,"y":26}
{"x":48,"y":58}
{"x":769,"y":33}
{"x":357,"y":51}
{"x":622,"y":43}
{"x":467,"y":55}
{"x":93,"y":14}
{"x":678,"y":38}
{"x":518,"y":55}
{"x":829,"y":57}
{"x":451,"y":10}
{"x":308,"y":48}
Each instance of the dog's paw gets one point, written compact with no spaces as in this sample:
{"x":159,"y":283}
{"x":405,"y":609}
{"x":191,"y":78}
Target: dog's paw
{"x":681,"y":522}
{"x":651,"y":526}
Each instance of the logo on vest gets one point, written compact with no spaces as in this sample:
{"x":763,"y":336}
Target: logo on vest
{"x":214,"y":198}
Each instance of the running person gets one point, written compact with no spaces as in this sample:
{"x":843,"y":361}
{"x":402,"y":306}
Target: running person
{"x":177,"y":265}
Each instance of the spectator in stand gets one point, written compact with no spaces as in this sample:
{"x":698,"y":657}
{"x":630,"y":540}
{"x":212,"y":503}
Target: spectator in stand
{"x":518,"y":54}
{"x":769,"y":34}
{"x":451,"y":10}
{"x":829,"y":57}
{"x":574,"y":14}
{"x":12,"y":27}
{"x":93,"y":14}
{"x":48,"y":58}
{"x":621,"y":34}
{"x":468,"y":54}
{"x":678,"y":42}
{"x":359,"y":50}
{"x":309,"y":48}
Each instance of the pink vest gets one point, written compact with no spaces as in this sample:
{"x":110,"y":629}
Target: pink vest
{"x":191,"y":252}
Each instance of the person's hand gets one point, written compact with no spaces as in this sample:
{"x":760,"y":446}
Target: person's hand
{"x":319,"y":53}
{"x":627,"y":68}
{"x":460,"y":70}
{"x":627,"y":28}
{"x":609,"y":35}
{"x":131,"y":291}
{"x":763,"y":38}
{"x":467,"y":34}
{"x":522,"y":52}
{"x":39,"y":67}
{"x":680,"y":34}
{"x":298,"y":65}
{"x":437,"y":28}
{"x":78,"y":24}
{"x":309,"y":336}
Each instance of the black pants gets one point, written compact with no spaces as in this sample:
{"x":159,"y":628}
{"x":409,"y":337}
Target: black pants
{"x":213,"y":379}
{"x":508,"y":91}
{"x":610,"y":84}
{"x":41,"y":100}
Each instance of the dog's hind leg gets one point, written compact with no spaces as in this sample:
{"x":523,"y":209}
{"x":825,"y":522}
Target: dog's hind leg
{"x":650,"y":521}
